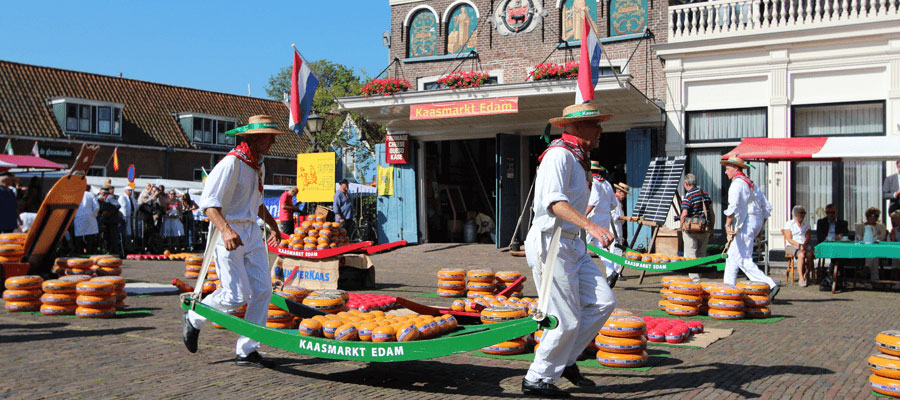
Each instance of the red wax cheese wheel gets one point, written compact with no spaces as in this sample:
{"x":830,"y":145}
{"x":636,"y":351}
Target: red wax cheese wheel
{"x":493,"y":315}
{"x":656,"y":335}
{"x":885,"y":365}
{"x":623,"y":326}
{"x":725,"y":314}
{"x":508,"y":348}
{"x":95,"y":288}
{"x":682,"y":287}
{"x":684,"y":299}
{"x":23,"y":306}
{"x":885,"y":386}
{"x":888,"y":342}
{"x":58,"y":299}
{"x":620,"y":345}
{"x":754,"y":287}
{"x":757,"y":301}
{"x":724,"y":304}
{"x":57,"y":309}
{"x":757,"y":312}
{"x":620,"y":360}
{"x":727,"y":292}
{"x":90,"y":312}
{"x":480,"y":275}
{"x":22,"y":294}
{"x":24,"y":282}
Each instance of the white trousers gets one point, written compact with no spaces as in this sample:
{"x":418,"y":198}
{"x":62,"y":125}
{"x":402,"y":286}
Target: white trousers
{"x":740,"y":254}
{"x":579,"y":298}
{"x":244,"y":275}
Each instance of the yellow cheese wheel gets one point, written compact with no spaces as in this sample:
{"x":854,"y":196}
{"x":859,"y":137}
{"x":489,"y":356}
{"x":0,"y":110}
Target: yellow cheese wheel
{"x":58,"y":286}
{"x":621,"y":360}
{"x":682,"y":310}
{"x":24,"y":282}
{"x":757,"y":312}
{"x":310,"y":327}
{"x":480,"y":286}
{"x":754,"y":287}
{"x":725,"y":314}
{"x":58,"y":299}
{"x":754,"y":300}
{"x":384,"y":334}
{"x":21,"y":294}
{"x":508,"y":276}
{"x":330,"y":326}
{"x":346,"y":332}
{"x":451,"y":292}
{"x":455,"y":274}
{"x":407,"y":333}
{"x":885,"y":365}
{"x":451,"y":284}
{"x":725,"y":304}
{"x":480,"y":275}
{"x":682,"y":287}
{"x":90,"y":312}
{"x":623,"y":326}
{"x":614,"y":344}
{"x":109,"y":262}
{"x":324,"y":302}
{"x":684,"y":299}
{"x":494,"y":315}
{"x":92,"y":301}
{"x":57,"y":309}
{"x":95,"y":288}
{"x":662,"y":304}
{"x":507,"y":348}
{"x":75,"y":278}
{"x":888,"y":342}
{"x":885,"y":386}
{"x":117,"y":281}
{"x":667,"y":280}
{"x":22,"y":306}
{"x":725,"y":291}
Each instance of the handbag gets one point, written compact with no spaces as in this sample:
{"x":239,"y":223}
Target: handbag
{"x":696,"y":224}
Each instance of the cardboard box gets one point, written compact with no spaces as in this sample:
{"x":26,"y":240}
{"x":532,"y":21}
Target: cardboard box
{"x":325,"y":212}
{"x":347,"y":271}
{"x":667,"y":242}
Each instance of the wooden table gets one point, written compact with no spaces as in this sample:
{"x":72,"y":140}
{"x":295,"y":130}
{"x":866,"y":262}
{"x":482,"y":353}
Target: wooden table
{"x":856,"y":250}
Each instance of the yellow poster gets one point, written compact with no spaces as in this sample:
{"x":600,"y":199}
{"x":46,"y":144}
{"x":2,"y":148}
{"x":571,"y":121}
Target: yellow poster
{"x":315,"y":177}
{"x":386,"y":181}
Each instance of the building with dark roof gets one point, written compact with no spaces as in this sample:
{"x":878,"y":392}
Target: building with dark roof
{"x":165,"y":131}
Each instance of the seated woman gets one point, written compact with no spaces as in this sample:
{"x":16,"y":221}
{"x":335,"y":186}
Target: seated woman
{"x":872,"y":214}
{"x":796,"y":236}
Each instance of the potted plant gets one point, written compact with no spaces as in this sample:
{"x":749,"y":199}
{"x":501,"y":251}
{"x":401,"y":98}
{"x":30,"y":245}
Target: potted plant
{"x":385,"y":87}
{"x":552,"y":71}
{"x":459,"y":80}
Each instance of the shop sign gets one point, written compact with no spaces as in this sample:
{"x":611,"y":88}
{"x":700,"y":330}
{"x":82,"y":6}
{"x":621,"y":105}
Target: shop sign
{"x":315,"y":177}
{"x":55,"y":151}
{"x":397,"y":148}
{"x":469,"y":108}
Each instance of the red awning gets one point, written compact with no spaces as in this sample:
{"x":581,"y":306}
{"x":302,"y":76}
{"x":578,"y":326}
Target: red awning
{"x":868,"y":148}
{"x":28,"y":162}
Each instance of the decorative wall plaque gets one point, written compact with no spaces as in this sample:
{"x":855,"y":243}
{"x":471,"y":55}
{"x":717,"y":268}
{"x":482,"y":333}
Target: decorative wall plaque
{"x":462,"y":32}
{"x":423,"y":34}
{"x":627,"y":17}
{"x":570,"y":18}
{"x":517,"y":16}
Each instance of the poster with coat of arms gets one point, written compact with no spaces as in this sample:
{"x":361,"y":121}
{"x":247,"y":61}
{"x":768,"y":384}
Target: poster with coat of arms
{"x":627,"y":17}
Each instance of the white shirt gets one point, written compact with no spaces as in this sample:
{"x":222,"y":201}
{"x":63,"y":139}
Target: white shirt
{"x":127,"y":205}
{"x":798,"y":231}
{"x":616,"y":213}
{"x":560,"y":177}
{"x":604,"y":200}
{"x":85,"y":220}
{"x":244,"y":201}
{"x":832,"y":225}
{"x":743,"y":201}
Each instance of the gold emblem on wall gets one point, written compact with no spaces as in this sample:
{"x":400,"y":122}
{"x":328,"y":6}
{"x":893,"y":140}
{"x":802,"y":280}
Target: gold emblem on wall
{"x":462,"y":34}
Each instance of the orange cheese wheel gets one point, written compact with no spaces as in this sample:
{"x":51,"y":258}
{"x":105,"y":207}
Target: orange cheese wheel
{"x":621,"y":360}
{"x":508,"y":276}
{"x":451,"y":284}
{"x":109,"y":271}
{"x":279,"y":315}
{"x":757,"y":312}
{"x":24,"y":282}
{"x":95,"y":301}
{"x":346,"y":332}
{"x":324,"y":302}
{"x":613,"y":344}
{"x":754,"y":287}
{"x":451,"y":292}
{"x":90,"y":312}
{"x":684,"y":299}
{"x":194,"y":260}
{"x":96,"y":257}
{"x":725,"y":291}
{"x":458,"y":305}
{"x":365,"y":329}
{"x":507,"y":348}
{"x":58,"y":299}
{"x":492,"y":315}
{"x":754,"y":300}
{"x":21,"y":294}
{"x":191,"y":274}
{"x":725,"y":314}
{"x":109,"y":262}
{"x":95,"y":288}
{"x":297,"y":292}
{"x":707,"y":285}
{"x":287,"y":324}
{"x":455,"y":274}
{"x":79,"y":263}
{"x":662,"y":304}
{"x":690,"y":288}
{"x":330,"y":326}
{"x":192,"y":268}
{"x":480,"y":286}
{"x":57,"y":309}
{"x":480,"y":275}
{"x":407,"y":332}
{"x":22,"y":306}
{"x":13,"y":237}
{"x":678,"y":309}
{"x":310,"y":327}
{"x":58,"y":286}
{"x":623,"y":326}
{"x":79,"y":271}
{"x":885,"y":386}
{"x":473,"y":294}
{"x":451,"y":323}
{"x":667,"y":280}
{"x":10,"y":249}
{"x":664,"y":293}
{"x":888,"y":342}
{"x":117,"y":281}
{"x":725,"y":304}
{"x":334,"y":292}
{"x":384,"y":334}
{"x":75,"y":278}
{"x":885,"y":365}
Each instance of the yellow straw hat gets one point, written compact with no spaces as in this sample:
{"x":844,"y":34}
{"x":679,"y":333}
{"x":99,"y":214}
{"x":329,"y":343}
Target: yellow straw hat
{"x":257,"y":125}
{"x":580,"y":112}
{"x":735,"y":161}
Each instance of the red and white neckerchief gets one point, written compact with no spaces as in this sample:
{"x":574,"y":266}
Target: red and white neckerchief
{"x":243,"y":153}
{"x":597,"y":177}
{"x":570,"y":144}
{"x":740,"y":175}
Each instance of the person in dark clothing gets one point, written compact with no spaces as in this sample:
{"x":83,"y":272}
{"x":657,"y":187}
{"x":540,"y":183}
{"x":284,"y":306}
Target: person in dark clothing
{"x":9,"y":217}
{"x":110,"y":219}
{"x":343,"y":208}
{"x":829,"y":229}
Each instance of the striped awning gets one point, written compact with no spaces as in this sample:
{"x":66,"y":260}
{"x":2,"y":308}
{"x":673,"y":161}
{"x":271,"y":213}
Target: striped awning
{"x":867,"y":148}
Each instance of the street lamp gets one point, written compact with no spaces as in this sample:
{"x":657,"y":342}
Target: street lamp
{"x":314,"y":125}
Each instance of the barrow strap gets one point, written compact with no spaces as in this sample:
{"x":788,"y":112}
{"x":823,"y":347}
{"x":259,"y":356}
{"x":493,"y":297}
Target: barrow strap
{"x":547,"y":270}
{"x":653,"y":266}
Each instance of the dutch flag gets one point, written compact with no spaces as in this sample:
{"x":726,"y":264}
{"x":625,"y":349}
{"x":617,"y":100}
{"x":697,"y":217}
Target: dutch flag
{"x":589,"y":64}
{"x":303,"y":88}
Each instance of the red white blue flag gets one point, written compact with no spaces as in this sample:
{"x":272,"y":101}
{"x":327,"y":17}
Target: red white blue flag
{"x":589,"y":64}
{"x":303,"y":88}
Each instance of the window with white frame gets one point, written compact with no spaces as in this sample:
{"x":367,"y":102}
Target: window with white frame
{"x":91,"y":119}
{"x":212,"y":131}
{"x":431,"y":82}
{"x":96,"y":171}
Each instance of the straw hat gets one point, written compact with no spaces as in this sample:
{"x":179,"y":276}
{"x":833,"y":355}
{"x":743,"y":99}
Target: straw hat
{"x":735,"y":161}
{"x":623,"y":187}
{"x":580,"y":112}
{"x":257,"y":125}
{"x":595,"y":166}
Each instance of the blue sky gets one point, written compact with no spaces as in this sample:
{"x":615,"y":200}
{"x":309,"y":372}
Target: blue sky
{"x":212,"y":45}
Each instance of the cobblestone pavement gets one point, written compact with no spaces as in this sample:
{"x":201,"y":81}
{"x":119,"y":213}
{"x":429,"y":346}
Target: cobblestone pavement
{"x":818,"y":351}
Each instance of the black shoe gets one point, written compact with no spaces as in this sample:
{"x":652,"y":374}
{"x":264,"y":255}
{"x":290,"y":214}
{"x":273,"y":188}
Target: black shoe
{"x":252,"y":360}
{"x":574,"y":375}
{"x":611,"y":280}
{"x":543,"y":389}
{"x":189,"y":334}
{"x":773,"y":293}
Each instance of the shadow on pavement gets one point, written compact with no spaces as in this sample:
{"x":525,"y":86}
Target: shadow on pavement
{"x":52,"y":334}
{"x":447,"y":247}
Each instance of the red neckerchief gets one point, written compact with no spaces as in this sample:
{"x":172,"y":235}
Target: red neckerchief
{"x":243,"y":153}
{"x":598,"y":178}
{"x":740,"y":175}
{"x":570,"y":143}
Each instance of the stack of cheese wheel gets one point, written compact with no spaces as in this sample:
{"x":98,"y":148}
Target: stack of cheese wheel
{"x":23,"y":293}
{"x":885,"y":366}
{"x":684,"y":298}
{"x":451,"y":282}
{"x":756,"y":299}
{"x":376,"y":326}
{"x":278,"y":318}
{"x":505,"y":279}
{"x":329,"y":303}
{"x":621,"y":342}
{"x":480,"y":282}
{"x":507,"y":311}
{"x":665,"y":291}
{"x":79,"y":266}
{"x":11,"y":252}
{"x":119,"y":285}
{"x":59,"y":297}
{"x":726,"y":302}
{"x":316,"y":234}
{"x":60,"y":265}
{"x":96,"y":299}
{"x":108,"y":266}
{"x":706,"y":286}
{"x":192,"y":266}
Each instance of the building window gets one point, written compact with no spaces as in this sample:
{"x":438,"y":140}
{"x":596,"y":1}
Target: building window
{"x":627,"y":17}
{"x":571,"y":18}
{"x":92,"y":119}
{"x":863,"y":119}
{"x":212,"y":131}
{"x":422,"y":34}
{"x":104,"y":118}
{"x":96,"y":171}
{"x":704,"y":164}
{"x":71,"y":117}
{"x":719,"y":125}
{"x":282,"y":179}
{"x":462,"y":29}
{"x":150,"y":177}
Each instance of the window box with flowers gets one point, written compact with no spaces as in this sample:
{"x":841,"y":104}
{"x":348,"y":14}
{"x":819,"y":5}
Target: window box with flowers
{"x":551,"y":71}
{"x":460,"y":80}
{"x":385,"y":87}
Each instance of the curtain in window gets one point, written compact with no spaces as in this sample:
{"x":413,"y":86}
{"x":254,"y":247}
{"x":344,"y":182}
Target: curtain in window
{"x":862,"y":189}
{"x":847,"y":119}
{"x":813,"y":188}
{"x":705,"y":165}
{"x":723,"y":125}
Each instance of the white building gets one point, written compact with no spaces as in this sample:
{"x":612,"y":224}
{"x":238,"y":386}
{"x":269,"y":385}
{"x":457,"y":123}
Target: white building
{"x":784,"y":69}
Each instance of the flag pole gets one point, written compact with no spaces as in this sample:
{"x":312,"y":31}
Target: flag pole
{"x":328,"y":88}
{"x":596,"y":34}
